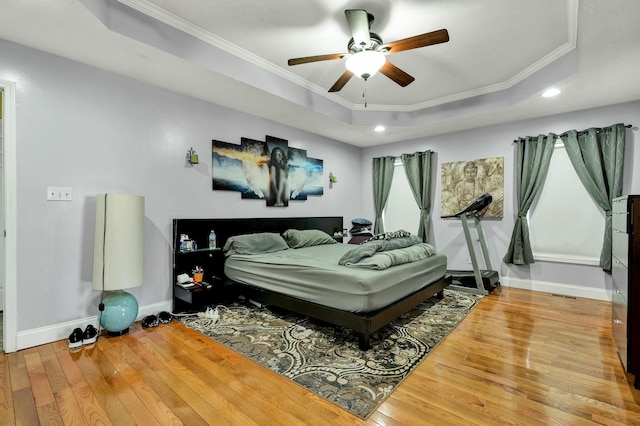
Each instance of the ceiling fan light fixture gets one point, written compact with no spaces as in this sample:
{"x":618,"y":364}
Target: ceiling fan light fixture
{"x":367,"y":53}
{"x":366,"y":63}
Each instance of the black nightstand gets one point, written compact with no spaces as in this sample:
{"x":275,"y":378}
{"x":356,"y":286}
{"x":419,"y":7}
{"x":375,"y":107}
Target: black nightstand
{"x":194,"y":299}
{"x":197,"y":298}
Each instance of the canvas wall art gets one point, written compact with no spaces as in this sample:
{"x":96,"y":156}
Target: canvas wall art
{"x":464,"y":181}
{"x":269,"y":170}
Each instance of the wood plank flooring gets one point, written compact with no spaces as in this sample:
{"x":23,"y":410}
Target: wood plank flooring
{"x":520,"y":357}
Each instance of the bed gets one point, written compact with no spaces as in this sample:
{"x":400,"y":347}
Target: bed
{"x":304,"y":276}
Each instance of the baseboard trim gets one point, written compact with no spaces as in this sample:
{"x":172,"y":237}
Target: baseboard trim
{"x":61,"y":331}
{"x":557,"y":288}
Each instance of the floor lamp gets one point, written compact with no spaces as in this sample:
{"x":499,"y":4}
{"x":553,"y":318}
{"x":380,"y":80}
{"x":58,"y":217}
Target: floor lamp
{"x":118,"y":259}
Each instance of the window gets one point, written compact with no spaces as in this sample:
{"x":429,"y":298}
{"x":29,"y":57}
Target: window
{"x":565,"y":224}
{"x":401,"y":211}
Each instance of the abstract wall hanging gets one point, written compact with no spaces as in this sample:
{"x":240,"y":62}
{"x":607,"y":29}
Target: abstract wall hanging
{"x":269,"y":170}
{"x":464,"y":181}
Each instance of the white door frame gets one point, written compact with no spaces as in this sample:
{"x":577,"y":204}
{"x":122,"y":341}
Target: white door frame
{"x":9,"y":332}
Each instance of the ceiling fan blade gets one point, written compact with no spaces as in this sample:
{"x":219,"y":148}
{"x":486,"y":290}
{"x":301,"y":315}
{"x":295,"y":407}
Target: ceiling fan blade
{"x":339,"y":84}
{"x":422,"y":40}
{"x":359,"y":25}
{"x":396,"y":74}
{"x":317,"y":58}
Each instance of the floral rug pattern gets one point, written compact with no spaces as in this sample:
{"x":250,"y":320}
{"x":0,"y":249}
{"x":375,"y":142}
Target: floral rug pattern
{"x":325,"y":359}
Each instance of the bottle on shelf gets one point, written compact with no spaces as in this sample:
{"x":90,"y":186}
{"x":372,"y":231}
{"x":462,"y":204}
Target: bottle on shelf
{"x":184,"y":239}
{"x":212,"y":240}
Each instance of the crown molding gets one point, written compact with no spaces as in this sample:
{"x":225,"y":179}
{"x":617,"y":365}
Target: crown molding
{"x":162,"y":15}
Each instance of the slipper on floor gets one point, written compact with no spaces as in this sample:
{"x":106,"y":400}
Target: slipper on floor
{"x":164,"y":317}
{"x":150,"y":321}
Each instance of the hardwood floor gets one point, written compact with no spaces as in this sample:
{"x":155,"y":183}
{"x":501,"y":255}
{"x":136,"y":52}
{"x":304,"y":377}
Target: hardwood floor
{"x":520,"y":357}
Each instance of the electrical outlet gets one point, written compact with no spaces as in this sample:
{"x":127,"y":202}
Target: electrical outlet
{"x":56,"y":193}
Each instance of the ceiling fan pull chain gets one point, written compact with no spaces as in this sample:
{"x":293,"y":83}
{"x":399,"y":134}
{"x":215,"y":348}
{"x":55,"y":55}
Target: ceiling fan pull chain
{"x":364,"y":92}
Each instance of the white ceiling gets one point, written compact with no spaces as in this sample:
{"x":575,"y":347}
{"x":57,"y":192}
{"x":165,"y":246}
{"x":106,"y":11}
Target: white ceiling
{"x":501,"y":55}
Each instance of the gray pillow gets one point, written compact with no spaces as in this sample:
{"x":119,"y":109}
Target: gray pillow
{"x":307,"y":238}
{"x":265,"y":242}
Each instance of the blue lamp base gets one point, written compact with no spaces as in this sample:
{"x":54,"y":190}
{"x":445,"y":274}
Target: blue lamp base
{"x":120,"y":311}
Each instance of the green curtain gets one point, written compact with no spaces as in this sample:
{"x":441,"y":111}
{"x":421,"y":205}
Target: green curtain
{"x":382,"y":178}
{"x":598,"y":157}
{"x":417,"y":167}
{"x":532,"y":163}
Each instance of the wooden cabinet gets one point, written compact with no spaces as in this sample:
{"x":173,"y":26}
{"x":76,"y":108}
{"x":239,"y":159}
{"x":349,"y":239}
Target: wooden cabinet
{"x":625,"y":272}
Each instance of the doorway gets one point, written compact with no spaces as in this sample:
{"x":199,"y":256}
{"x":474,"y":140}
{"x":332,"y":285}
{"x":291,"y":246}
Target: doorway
{"x":8,"y":203}
{"x":1,"y":224}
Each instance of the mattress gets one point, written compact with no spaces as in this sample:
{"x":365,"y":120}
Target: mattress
{"x":313,"y":274}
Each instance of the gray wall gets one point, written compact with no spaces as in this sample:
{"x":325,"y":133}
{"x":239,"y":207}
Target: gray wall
{"x":497,"y":141}
{"x":98,"y":132}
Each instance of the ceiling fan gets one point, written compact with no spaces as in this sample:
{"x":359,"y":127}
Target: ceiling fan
{"x":367,"y":53}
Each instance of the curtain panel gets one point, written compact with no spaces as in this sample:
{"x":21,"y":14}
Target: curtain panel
{"x":597,"y":155}
{"x":533,"y":156}
{"x":382,"y":178}
{"x":417,"y":167}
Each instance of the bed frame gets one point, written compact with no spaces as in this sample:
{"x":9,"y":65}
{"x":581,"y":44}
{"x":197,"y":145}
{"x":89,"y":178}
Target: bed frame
{"x":362,"y":323}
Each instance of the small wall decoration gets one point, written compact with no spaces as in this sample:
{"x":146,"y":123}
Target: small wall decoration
{"x":464,"y":181}
{"x":269,"y":170}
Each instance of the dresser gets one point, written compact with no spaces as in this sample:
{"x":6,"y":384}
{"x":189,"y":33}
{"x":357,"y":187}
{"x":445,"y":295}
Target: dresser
{"x":625,"y":271}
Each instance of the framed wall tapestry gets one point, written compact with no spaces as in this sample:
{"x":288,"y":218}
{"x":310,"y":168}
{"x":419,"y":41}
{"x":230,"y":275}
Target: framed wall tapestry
{"x":269,"y":170}
{"x":464,"y":181}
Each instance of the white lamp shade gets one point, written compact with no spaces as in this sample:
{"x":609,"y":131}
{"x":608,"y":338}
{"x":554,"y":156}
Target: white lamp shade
{"x":366,"y":63}
{"x":118,"y":255}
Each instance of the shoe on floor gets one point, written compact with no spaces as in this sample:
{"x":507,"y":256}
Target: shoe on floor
{"x":75,"y":338}
{"x":150,"y":321}
{"x":164,"y":317}
{"x":90,"y":335}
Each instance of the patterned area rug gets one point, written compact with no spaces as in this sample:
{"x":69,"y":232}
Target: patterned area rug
{"x":325,"y":359}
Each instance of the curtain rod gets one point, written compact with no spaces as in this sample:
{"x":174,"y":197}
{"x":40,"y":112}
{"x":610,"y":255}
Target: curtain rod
{"x":583,"y":132}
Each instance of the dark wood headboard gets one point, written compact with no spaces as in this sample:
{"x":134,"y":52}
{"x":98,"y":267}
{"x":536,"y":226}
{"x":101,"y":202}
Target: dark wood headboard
{"x":198,"y":229}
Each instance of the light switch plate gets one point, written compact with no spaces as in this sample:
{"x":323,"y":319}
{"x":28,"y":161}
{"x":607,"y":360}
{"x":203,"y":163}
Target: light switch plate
{"x":58,"y":193}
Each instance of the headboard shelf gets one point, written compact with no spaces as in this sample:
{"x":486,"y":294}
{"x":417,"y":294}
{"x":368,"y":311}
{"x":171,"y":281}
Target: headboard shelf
{"x":198,"y":229}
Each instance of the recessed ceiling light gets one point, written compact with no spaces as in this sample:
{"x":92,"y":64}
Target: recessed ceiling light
{"x":550,"y":93}
{"x":379,"y":129}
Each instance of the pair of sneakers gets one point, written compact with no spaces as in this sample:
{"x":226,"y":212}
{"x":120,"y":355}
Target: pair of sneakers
{"x":77,"y":338}
{"x":163,"y":317}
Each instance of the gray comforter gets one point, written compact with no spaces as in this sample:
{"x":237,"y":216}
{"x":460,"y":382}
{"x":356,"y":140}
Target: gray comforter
{"x":382,"y":254}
